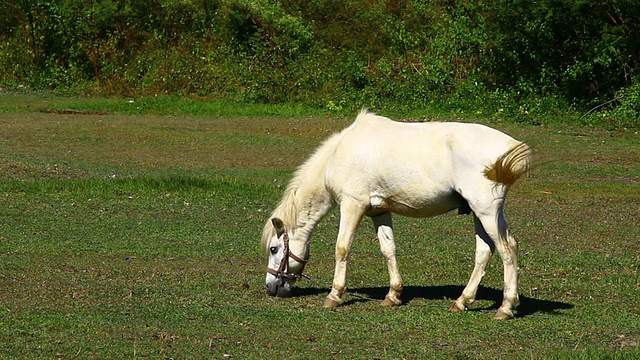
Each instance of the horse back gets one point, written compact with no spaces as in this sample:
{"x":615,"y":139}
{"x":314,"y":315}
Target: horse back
{"x":417,"y":165}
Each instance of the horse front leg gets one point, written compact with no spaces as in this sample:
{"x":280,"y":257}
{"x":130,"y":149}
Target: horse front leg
{"x":384,"y":228}
{"x":350,"y":215}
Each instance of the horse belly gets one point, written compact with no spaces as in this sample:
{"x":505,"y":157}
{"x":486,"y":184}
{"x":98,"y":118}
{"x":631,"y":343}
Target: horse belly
{"x":425,"y":206}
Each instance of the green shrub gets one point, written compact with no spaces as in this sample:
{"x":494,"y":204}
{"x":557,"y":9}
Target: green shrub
{"x":622,"y":112}
{"x":401,"y":54}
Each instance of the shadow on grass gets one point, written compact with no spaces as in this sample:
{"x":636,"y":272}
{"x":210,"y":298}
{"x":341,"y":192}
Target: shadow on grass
{"x":528,"y":306}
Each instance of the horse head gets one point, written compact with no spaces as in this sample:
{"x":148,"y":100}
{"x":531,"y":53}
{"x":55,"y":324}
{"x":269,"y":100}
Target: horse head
{"x":284,"y":267}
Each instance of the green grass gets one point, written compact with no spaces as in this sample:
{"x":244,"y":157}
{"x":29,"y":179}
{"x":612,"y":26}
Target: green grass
{"x":137,"y":236}
{"x":22,"y":102}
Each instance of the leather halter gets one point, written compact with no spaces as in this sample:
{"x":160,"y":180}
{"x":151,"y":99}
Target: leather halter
{"x":283,"y":268}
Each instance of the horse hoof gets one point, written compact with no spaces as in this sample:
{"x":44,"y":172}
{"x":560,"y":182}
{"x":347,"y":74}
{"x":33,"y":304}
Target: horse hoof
{"x":330,"y":303}
{"x":456,"y":308}
{"x":503,"y":315}
{"x":389,"y":302}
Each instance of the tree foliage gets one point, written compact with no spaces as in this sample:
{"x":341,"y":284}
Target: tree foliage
{"x":381,"y":52}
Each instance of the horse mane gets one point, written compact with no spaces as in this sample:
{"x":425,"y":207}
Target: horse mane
{"x":311,"y":170}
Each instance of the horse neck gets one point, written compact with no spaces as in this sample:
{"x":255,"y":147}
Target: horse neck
{"x":312,"y":204}
{"x":306,"y":200}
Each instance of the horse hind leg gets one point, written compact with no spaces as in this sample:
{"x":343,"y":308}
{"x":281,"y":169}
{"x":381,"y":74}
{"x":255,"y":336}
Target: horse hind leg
{"x":484,"y":250}
{"x":495,"y":229}
{"x":384,"y":227}
{"x":509,"y":253}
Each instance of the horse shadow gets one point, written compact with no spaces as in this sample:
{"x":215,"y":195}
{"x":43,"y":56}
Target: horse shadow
{"x":528,"y":305}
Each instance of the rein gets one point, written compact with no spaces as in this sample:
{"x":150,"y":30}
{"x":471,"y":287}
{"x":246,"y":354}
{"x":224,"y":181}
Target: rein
{"x":283,"y":268}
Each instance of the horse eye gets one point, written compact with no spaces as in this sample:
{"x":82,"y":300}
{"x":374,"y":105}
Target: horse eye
{"x":273,"y":250}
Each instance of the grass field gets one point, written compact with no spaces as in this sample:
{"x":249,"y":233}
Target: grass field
{"x":137,"y":236}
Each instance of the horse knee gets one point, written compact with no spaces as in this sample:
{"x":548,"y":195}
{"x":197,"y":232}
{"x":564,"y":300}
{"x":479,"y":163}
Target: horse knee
{"x":342,"y":252}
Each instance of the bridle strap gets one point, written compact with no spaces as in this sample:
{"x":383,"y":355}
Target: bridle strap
{"x":284,"y":263}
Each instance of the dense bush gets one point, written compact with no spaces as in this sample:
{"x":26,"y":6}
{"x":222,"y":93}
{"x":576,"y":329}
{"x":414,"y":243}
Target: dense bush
{"x":456,"y":55}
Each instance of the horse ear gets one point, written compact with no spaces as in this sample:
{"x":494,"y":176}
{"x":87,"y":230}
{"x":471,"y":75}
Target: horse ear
{"x":278,"y":225}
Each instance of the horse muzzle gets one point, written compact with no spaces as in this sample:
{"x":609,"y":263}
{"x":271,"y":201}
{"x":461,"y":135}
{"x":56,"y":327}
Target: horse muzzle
{"x":278,"y":286}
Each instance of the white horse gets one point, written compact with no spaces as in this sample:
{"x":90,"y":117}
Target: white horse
{"x":377,"y":167}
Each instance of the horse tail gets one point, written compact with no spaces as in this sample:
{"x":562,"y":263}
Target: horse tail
{"x":510,"y":166}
